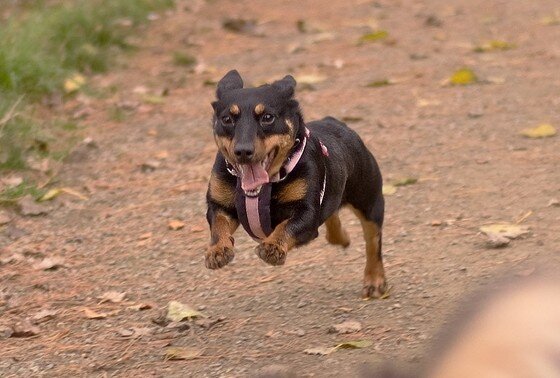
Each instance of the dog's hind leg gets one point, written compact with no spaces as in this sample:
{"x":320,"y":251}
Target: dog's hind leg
{"x":335,"y":233}
{"x":375,"y":284}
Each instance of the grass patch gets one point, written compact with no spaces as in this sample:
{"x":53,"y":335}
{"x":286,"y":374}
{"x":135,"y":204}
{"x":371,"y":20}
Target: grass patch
{"x":43,"y":44}
{"x":183,"y":59}
{"x":13,"y":194}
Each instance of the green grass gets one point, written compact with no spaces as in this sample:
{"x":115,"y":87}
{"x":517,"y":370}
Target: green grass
{"x":42,"y":45}
{"x":11,"y":195}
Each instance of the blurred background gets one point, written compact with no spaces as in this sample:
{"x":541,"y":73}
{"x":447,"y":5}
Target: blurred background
{"x":106,"y":149}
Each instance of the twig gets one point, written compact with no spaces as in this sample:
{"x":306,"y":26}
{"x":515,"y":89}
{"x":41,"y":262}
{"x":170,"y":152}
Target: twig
{"x":9,"y":114}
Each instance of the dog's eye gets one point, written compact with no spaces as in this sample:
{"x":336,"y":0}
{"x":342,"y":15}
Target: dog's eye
{"x":227,"y":121}
{"x":267,"y":119}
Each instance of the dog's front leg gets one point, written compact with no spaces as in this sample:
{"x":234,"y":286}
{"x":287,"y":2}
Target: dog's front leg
{"x":288,"y":234}
{"x":220,"y":251}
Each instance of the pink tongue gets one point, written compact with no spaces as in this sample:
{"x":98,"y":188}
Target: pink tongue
{"x":253,"y":176}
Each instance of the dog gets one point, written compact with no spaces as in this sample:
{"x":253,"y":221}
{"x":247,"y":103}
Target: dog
{"x":282,"y":178}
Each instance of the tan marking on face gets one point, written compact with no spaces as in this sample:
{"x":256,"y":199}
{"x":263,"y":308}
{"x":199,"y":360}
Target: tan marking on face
{"x":293,"y":191}
{"x":225,"y":145}
{"x":284,"y":143}
{"x":281,"y":237}
{"x":259,"y":109}
{"x":223,"y":226}
{"x":290,"y":125}
{"x":221,"y":192}
{"x":234,"y":109}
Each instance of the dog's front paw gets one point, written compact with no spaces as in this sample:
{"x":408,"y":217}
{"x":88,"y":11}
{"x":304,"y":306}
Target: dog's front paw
{"x":218,"y":256}
{"x":272,"y":254}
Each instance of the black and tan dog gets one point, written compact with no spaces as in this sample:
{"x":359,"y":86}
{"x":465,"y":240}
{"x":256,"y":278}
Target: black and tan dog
{"x":282,"y":178}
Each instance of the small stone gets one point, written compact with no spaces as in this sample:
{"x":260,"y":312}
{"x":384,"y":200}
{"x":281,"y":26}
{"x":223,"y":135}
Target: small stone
{"x":349,"y":326}
{"x":29,"y":207}
{"x":302,"y":304}
{"x":5,"y":332}
{"x":554,"y":202}
{"x":497,"y":241}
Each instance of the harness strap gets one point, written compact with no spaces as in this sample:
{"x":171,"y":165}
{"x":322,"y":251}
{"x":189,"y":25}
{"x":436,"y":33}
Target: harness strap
{"x":254,"y":212}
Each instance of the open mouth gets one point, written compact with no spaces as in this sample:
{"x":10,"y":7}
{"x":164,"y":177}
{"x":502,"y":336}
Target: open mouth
{"x":255,"y":175}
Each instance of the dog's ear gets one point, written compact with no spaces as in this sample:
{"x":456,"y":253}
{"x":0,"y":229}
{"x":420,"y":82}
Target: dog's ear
{"x":286,"y":86}
{"x":232,"y":80}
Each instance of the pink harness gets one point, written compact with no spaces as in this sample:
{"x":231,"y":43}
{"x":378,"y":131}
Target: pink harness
{"x":254,"y":211}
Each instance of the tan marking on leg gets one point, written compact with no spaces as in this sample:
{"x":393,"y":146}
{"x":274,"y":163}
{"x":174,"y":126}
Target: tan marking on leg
{"x":234,"y":109}
{"x":259,"y":109}
{"x":335,"y":233}
{"x":284,"y":143}
{"x":374,"y":273}
{"x":220,"y":251}
{"x":274,"y":249}
{"x":221,"y":192}
{"x":293,"y":191}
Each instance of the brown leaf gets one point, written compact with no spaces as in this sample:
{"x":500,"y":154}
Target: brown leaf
{"x":175,"y":224}
{"x":349,"y":326}
{"x":112,"y":296}
{"x":90,"y":314}
{"x":49,"y":263}
{"x":181,"y":353}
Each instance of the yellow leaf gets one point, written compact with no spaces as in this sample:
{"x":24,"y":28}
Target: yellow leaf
{"x":73,"y":83}
{"x":406,"y":181}
{"x":153,"y":99}
{"x":177,"y":311}
{"x":495,"y":45}
{"x":542,"y":131}
{"x":389,"y":190}
{"x":379,"y":83}
{"x":51,"y":194}
{"x":374,"y":36}
{"x":464,"y":76}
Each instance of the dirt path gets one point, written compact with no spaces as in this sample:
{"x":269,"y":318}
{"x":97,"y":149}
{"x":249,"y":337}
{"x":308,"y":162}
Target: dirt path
{"x":461,"y":142}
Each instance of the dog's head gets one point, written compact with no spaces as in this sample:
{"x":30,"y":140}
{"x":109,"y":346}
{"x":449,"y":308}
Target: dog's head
{"x":256,"y":128}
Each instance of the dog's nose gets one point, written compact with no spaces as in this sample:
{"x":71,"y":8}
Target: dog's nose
{"x":244,"y":152}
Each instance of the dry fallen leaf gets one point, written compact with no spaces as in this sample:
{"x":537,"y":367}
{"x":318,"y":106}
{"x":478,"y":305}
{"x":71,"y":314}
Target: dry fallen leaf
{"x":182,"y":353}
{"x":49,"y":263}
{"x":349,"y":326}
{"x":310,"y":79}
{"x":373,"y":36}
{"x":175,"y":224}
{"x":405,"y":181}
{"x":112,"y":296}
{"x":177,"y":311}
{"x":51,"y":194}
{"x":542,"y":131}
{"x":90,"y":314}
{"x":510,"y":231}
{"x":494,"y":45}
{"x":389,"y":189}
{"x":74,"y":83}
